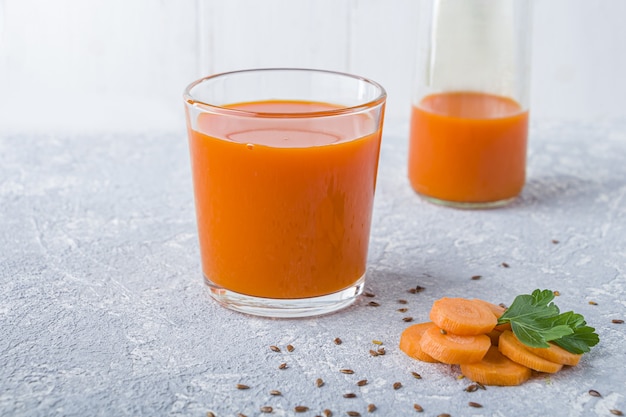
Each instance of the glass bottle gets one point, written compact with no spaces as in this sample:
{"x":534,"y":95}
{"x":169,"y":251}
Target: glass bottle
{"x":469,"y":117}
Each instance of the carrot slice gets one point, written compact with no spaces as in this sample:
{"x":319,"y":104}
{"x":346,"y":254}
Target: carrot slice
{"x":454,"y":349}
{"x":496,"y":369}
{"x":462,"y":317}
{"x":497,"y":311}
{"x":515,"y":350}
{"x":494,"y":335}
{"x":410,"y":342}
{"x":556,"y":354}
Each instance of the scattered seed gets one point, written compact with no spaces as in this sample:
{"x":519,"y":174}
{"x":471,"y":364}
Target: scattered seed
{"x":290,"y":348}
{"x":444,"y":415}
{"x":373,"y":352}
{"x":459,"y":377}
{"x":338,"y":341}
{"x":418,"y":408}
{"x":416,"y":375}
{"x":475,"y":405}
{"x":241,"y":415}
{"x":471,"y":388}
{"x":481,"y":386}
{"x":275,"y":348}
{"x":373,"y":304}
{"x":403,"y":302}
{"x":476,"y":277}
{"x":381,"y":351}
{"x":617,"y":321}
{"x":556,"y":293}
{"x":353,"y":413}
{"x":442,"y":331}
{"x":397,"y":385}
{"x":556,"y":242}
{"x":282,"y":365}
{"x":210,"y":414}
{"x":371,"y":408}
{"x":275,"y":392}
{"x":369,"y":294}
{"x":403,"y":310}
{"x":319,"y":382}
{"x":362,"y":382}
{"x":594,"y":393}
{"x":412,"y":291}
{"x":407,"y":319}
{"x":327,"y":413}
{"x":349,"y":395}
{"x":301,"y":409}
{"x":266,"y":409}
{"x":505,"y":265}
{"x":242,"y":386}
{"x":616,"y":412}
{"x":346,"y":371}
{"x":503,"y":306}
{"x":593,"y":303}
{"x":377,"y":342}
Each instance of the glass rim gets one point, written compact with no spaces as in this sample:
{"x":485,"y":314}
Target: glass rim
{"x":379,"y":99}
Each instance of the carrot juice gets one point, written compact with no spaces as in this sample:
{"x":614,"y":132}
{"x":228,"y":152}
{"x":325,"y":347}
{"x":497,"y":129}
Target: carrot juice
{"x":468,"y":147}
{"x":283,"y":203}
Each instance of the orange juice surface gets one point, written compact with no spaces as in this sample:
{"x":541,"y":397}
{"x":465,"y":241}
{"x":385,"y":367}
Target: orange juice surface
{"x":468,"y":147}
{"x":284,"y":206}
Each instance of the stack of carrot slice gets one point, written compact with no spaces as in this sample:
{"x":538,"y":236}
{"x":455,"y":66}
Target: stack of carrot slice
{"x":464,"y":332}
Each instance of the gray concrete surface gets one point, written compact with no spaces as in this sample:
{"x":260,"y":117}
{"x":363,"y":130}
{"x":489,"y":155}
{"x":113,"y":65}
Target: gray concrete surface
{"x":103,"y":311}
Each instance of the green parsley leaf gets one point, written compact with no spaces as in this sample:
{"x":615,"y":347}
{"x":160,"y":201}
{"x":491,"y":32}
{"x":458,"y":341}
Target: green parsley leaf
{"x":535,"y":321}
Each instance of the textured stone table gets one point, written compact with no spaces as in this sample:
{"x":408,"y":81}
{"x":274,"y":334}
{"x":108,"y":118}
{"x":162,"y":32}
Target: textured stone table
{"x":103,"y":310}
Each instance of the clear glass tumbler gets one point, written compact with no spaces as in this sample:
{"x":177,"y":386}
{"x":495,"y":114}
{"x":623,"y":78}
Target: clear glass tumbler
{"x":284,"y":165}
{"x":469,"y":118}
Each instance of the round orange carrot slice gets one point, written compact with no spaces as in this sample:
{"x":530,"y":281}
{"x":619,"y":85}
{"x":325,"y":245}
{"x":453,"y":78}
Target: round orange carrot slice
{"x":556,"y":354}
{"x":454,"y":349}
{"x":463,"y":317}
{"x":496,"y":369}
{"x":515,"y":350}
{"x":410,"y":341}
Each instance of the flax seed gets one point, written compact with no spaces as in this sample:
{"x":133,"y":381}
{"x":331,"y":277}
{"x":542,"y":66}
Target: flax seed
{"x":418,"y":408}
{"x":594,"y":393}
{"x":338,"y":341}
{"x":381,"y":351}
{"x":617,"y":321}
{"x":371,"y":408}
{"x":301,"y":409}
{"x":275,"y":392}
{"x":616,"y":412}
{"x":242,"y":386}
{"x":266,"y":409}
{"x":407,"y":319}
{"x":373,"y":352}
{"x":282,"y":365}
{"x":290,"y":348}
{"x":593,"y":303}
{"x":369,"y":294}
{"x":362,"y":382}
{"x":349,"y":395}
{"x":319,"y":382}
{"x":377,"y":342}
{"x":471,"y":388}
{"x":476,"y":277}
{"x":373,"y":304}
{"x":403,"y":310}
{"x":275,"y":348}
{"x":346,"y":371}
{"x":556,"y":293}
{"x":416,"y":375}
{"x":210,"y":414}
{"x":505,"y":265}
{"x":402,"y":301}
{"x":397,"y":385}
{"x":327,"y":413}
{"x":475,"y":405}
{"x":554,"y":241}
{"x":353,"y":413}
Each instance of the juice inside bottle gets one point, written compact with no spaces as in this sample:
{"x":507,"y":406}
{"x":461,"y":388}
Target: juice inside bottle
{"x":284,"y":206}
{"x":468,"y":147}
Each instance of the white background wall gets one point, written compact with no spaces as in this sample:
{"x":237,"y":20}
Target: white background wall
{"x":93,"y":65}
